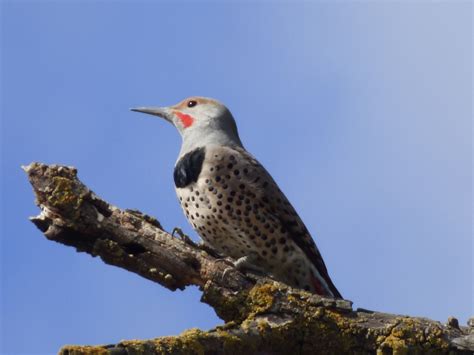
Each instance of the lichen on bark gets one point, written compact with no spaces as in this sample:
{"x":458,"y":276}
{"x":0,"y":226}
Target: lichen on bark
{"x":261,"y":315}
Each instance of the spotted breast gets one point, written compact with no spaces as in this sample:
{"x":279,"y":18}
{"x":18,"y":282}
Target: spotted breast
{"x":237,"y":208}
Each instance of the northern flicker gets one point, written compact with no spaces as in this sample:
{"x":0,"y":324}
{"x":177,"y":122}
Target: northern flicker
{"x":232,"y":201}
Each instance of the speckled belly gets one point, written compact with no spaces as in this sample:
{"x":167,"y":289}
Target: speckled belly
{"x":226,"y":209}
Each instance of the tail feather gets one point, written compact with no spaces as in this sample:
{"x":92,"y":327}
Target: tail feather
{"x":323,"y":287}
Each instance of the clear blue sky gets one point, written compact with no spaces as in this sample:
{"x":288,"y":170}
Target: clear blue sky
{"x":361,"y":111}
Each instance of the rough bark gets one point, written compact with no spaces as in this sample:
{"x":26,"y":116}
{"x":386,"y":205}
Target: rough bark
{"x":261,"y":315}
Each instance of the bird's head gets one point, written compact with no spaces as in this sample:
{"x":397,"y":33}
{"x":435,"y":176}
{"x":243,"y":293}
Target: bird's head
{"x":199,"y":120}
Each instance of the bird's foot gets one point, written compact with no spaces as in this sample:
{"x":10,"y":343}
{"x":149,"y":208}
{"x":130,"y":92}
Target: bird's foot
{"x":210,"y":250}
{"x":227,"y":261}
{"x":179,"y":232}
{"x":246,"y":265}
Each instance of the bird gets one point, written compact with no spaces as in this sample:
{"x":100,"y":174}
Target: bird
{"x":234,"y":204}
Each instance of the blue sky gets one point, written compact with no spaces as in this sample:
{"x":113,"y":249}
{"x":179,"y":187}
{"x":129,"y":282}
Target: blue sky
{"x":360,"y":110}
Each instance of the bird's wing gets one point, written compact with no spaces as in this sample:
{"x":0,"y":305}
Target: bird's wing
{"x":281,"y":211}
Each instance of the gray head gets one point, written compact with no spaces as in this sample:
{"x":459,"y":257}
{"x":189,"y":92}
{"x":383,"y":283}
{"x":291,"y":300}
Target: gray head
{"x":201,"y":121}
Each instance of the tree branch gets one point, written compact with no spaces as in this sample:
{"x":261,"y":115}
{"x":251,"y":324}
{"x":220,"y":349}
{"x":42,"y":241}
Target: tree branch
{"x":261,"y":315}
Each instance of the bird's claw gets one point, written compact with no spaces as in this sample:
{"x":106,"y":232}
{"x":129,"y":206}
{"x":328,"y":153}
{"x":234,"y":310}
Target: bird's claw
{"x":208,"y":249}
{"x":244,"y":265}
{"x":179,"y":232}
{"x":227,"y":261}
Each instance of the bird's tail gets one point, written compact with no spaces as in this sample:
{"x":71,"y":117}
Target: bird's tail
{"x":323,"y":285}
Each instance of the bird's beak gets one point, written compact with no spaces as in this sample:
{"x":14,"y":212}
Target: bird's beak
{"x":163,"y":112}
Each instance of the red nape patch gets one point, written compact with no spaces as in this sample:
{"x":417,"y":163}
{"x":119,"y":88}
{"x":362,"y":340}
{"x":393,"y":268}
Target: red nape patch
{"x":187,"y":120}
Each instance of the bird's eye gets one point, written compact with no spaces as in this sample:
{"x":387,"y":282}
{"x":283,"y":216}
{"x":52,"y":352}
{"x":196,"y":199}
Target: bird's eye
{"x":192,"y":103}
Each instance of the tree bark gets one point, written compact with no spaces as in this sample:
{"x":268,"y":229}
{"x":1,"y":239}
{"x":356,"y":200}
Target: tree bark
{"x":262,"y":316}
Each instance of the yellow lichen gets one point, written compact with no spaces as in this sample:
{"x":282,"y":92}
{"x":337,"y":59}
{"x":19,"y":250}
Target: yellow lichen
{"x":62,"y":194}
{"x":80,"y":350}
{"x":261,"y":298}
{"x":191,"y":340}
{"x":231,"y":342}
{"x":263,"y":326}
{"x":316,"y":330}
{"x":64,"y":197}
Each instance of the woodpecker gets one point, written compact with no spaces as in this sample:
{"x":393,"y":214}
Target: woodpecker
{"x":234,"y":204}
